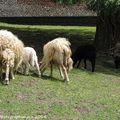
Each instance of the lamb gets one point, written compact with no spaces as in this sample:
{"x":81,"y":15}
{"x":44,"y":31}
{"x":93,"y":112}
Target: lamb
{"x":10,"y":41}
{"x":85,"y":52}
{"x":57,"y":52}
{"x":30,"y":59}
{"x":7,"y":59}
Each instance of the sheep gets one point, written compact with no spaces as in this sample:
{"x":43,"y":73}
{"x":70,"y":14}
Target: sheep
{"x":116,"y":55}
{"x":85,"y":52}
{"x":10,"y":41}
{"x":57,"y":52}
{"x":30,"y":59}
{"x":7,"y":59}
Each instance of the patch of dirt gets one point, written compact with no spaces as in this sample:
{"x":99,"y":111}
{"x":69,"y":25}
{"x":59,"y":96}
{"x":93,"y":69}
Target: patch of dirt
{"x":1,"y":115}
{"x":29,"y":83}
{"x":22,"y":96}
{"x":83,"y":110}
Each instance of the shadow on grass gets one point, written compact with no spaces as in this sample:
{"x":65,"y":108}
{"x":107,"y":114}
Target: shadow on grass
{"x":2,"y":82}
{"x":45,"y":77}
{"x":104,"y":65}
{"x":34,"y":75}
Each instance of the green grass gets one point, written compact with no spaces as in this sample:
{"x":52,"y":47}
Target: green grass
{"x":76,"y":32}
{"x":37,"y":35}
{"x":88,"y":96}
{"x":46,"y":27}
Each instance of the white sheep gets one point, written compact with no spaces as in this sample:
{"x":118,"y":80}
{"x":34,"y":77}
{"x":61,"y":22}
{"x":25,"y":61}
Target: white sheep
{"x":10,"y":41}
{"x":57,"y":52}
{"x":7,"y":59}
{"x":30,"y":59}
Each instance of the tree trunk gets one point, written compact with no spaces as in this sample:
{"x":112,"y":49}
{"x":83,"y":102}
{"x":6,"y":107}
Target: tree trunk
{"x":107,"y":31}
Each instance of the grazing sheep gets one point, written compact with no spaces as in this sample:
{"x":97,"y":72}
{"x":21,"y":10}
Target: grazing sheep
{"x":116,"y":55}
{"x":85,"y":52}
{"x":30,"y":59}
{"x":10,"y":41}
{"x":7,"y":59}
{"x":57,"y":52}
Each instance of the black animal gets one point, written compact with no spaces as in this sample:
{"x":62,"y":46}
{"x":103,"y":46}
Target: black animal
{"x":85,"y":52}
{"x":117,"y":61}
{"x":116,"y":55}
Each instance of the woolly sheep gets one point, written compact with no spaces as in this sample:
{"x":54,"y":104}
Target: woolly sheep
{"x":57,"y":52}
{"x":10,"y":41}
{"x":7,"y":58}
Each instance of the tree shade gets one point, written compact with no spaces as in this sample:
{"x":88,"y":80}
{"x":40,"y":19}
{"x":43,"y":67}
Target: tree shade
{"x":108,"y":21}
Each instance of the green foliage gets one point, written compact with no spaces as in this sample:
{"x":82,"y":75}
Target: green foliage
{"x":107,"y":7}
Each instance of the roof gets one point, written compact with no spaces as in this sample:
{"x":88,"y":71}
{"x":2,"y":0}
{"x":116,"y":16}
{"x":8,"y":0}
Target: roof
{"x":42,"y":8}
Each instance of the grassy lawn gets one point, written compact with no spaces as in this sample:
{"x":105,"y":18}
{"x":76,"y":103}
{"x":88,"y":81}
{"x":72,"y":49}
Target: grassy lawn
{"x":88,"y":96}
{"x":37,"y":35}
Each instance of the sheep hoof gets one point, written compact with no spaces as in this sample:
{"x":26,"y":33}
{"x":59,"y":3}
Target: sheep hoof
{"x":6,"y":82}
{"x":39,"y":75}
{"x":66,"y":82}
{"x":13,"y":78}
{"x":27,"y":74}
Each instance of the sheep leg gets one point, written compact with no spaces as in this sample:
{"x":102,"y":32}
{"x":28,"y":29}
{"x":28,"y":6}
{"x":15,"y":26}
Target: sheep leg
{"x":78,"y":63}
{"x":74,"y":63}
{"x":61,"y":73}
{"x":51,"y":70}
{"x":43,"y":68}
{"x":23,"y":67}
{"x":85,"y":65}
{"x":18,"y":64}
{"x":38,"y":69}
{"x":116,"y":64}
{"x":1,"y":73}
{"x":12,"y":74}
{"x":7,"y":74}
{"x":27,"y":67}
{"x":93,"y":64}
{"x":65,"y":73}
